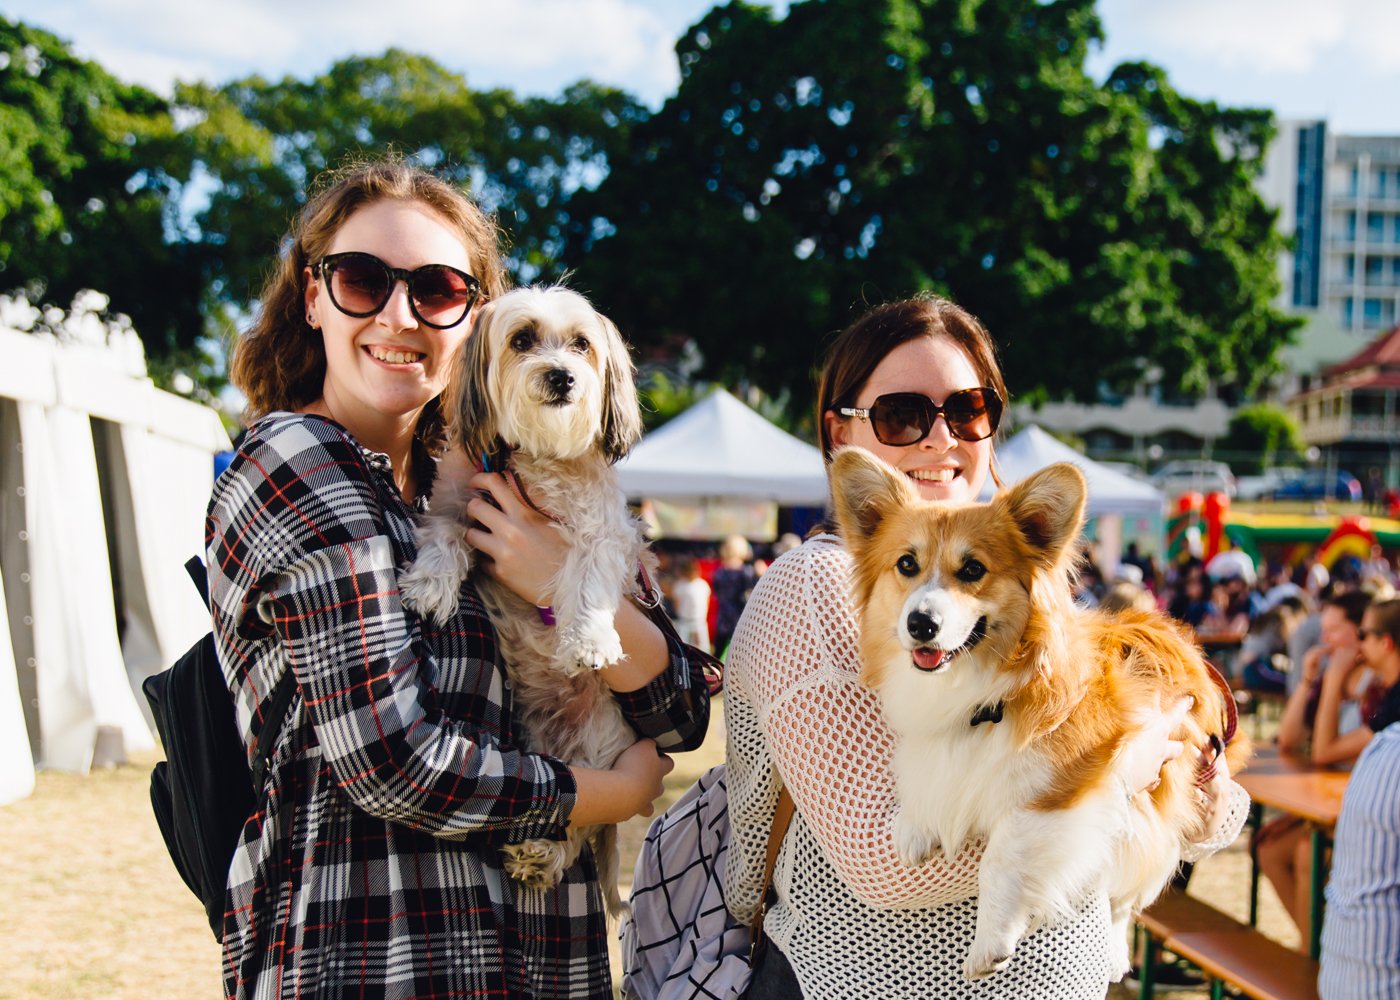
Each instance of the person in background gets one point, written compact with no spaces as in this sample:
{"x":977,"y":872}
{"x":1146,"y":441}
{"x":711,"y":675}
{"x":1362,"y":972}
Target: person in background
{"x":1325,"y":719}
{"x":732,"y":581}
{"x":1127,"y":592}
{"x":917,"y":384}
{"x":690,"y":597}
{"x":1263,"y":664}
{"x":372,"y":866}
{"x":1361,"y":929}
{"x":1190,"y":603}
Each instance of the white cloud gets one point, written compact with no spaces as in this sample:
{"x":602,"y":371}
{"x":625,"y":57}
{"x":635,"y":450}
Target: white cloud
{"x":533,"y":45}
{"x":1272,"y":37}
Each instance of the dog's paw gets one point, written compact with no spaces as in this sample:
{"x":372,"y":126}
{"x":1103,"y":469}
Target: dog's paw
{"x":431,"y":595}
{"x":984,"y":963}
{"x":592,"y":649}
{"x":536,"y":864}
{"x":914,"y":844}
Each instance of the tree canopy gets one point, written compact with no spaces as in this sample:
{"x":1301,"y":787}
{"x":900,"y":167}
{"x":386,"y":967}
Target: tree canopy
{"x":85,"y":190}
{"x":263,"y":142}
{"x":810,"y":164}
{"x":859,"y":150}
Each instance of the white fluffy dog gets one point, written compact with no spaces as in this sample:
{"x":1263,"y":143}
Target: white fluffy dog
{"x":545,"y":392}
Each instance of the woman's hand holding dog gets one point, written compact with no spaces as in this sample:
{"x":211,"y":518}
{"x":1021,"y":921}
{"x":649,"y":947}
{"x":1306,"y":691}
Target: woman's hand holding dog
{"x":1153,"y":748}
{"x":524,"y":550}
{"x":525,"y":553}
{"x":625,"y":790}
{"x":1213,"y":794}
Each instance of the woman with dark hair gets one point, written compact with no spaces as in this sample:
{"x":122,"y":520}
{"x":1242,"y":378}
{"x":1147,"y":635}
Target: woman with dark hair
{"x":917,"y":383}
{"x":372,"y":864}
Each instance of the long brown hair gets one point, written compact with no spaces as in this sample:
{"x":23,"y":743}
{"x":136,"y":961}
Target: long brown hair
{"x":279,"y":362}
{"x":858,"y":350}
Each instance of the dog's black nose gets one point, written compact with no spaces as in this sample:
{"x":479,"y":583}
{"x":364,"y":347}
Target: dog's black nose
{"x":561,"y":380}
{"x":921,"y":626}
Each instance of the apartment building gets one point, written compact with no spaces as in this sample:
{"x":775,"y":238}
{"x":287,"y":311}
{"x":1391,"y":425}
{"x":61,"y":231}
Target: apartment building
{"x":1338,"y":196}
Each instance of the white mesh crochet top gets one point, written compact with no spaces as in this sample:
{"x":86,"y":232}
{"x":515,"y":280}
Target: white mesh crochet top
{"x":852,"y":919}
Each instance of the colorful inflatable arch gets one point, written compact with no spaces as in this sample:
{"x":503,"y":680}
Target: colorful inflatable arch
{"x":1298,"y":535}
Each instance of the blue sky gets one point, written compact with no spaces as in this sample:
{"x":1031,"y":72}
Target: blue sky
{"x":1334,"y":59}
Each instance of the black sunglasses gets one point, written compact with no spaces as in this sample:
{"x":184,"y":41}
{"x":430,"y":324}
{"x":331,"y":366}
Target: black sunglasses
{"x":360,"y":284}
{"x":904,"y":418}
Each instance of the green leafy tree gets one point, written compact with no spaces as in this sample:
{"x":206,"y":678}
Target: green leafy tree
{"x":263,"y":142}
{"x":858,"y":150}
{"x":1261,"y":436}
{"x":88,"y":176}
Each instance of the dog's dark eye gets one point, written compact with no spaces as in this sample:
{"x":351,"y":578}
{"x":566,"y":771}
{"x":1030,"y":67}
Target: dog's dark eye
{"x":907,"y":565}
{"x":579,"y":344}
{"x":523,"y":341}
{"x":972,"y":571}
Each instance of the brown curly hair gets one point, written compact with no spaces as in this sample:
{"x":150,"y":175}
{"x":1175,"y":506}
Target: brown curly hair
{"x":279,"y":363}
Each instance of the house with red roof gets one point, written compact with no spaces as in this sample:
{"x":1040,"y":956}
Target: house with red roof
{"x":1351,"y":413}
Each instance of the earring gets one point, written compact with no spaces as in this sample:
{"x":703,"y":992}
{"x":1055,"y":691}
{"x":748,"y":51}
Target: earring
{"x":311,"y":321}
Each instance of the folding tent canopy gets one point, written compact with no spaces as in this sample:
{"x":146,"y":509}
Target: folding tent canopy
{"x":720,"y":448}
{"x":104,"y":483}
{"x":1110,"y":492}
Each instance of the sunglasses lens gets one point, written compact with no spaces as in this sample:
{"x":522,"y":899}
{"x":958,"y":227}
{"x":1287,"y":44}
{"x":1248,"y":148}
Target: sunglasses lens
{"x":442,"y":295}
{"x":902,"y":419}
{"x":359,"y":284}
{"x":972,"y":414}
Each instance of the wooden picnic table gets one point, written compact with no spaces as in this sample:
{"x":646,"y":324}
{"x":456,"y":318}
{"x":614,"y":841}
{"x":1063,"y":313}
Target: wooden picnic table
{"x":1298,"y":787}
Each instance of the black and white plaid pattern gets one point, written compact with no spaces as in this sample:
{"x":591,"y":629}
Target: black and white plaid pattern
{"x":372,"y":866}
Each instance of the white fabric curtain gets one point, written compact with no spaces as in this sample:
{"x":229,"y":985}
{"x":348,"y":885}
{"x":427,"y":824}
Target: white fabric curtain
{"x":92,"y":462}
{"x":16,"y":761}
{"x":83,"y":685}
{"x":157,"y":530}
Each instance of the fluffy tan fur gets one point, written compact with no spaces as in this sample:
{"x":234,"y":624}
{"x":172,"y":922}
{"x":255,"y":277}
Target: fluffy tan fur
{"x":545,"y":384}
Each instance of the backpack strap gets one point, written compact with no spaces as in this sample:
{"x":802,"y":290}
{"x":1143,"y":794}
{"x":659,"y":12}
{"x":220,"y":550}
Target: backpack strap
{"x":273,"y":722}
{"x":281,"y":705}
{"x":199,"y":576}
{"x":782,"y":819}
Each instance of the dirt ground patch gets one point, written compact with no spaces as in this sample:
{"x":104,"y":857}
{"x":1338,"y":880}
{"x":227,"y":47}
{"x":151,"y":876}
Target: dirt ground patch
{"x":91,"y":907}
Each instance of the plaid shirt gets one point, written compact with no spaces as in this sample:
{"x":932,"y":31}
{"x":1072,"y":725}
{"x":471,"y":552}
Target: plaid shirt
{"x":372,"y":867}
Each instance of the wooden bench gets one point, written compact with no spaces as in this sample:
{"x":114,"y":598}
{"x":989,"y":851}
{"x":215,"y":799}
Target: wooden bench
{"x":1227,"y":951}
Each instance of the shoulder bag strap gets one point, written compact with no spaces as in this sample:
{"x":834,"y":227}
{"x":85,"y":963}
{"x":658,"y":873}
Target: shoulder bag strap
{"x":782,"y":819}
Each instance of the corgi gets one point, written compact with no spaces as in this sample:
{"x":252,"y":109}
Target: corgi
{"x":1012,"y":705}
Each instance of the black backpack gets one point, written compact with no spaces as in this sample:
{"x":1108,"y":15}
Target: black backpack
{"x":203,"y":792}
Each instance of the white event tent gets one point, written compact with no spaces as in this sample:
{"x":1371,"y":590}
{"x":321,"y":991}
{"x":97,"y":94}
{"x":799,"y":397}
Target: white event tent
{"x":1110,"y":492}
{"x":104,"y":481}
{"x":1112,"y":495}
{"x":720,"y":448}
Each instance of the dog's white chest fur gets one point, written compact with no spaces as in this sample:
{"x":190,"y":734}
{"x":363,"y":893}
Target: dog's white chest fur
{"x":957,"y":784}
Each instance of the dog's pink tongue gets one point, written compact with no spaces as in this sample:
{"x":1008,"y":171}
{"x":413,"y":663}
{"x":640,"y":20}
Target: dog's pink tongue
{"x":928,"y":659}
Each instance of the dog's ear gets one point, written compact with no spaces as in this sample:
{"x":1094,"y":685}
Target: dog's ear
{"x":864,"y":491}
{"x":1048,"y":508}
{"x":470,"y":412}
{"x":622,"y":416}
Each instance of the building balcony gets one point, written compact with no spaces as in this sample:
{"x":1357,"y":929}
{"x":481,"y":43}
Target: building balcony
{"x":1329,"y":430}
{"x":1138,"y":416}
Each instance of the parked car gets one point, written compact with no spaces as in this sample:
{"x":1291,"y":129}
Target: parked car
{"x":1263,"y":485}
{"x":1317,"y":484}
{"x":1130,"y":469}
{"x":1178,"y":477}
